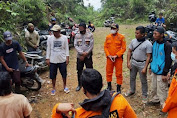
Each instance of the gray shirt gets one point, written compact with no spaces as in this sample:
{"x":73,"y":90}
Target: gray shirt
{"x":84,"y":43}
{"x":139,"y":55}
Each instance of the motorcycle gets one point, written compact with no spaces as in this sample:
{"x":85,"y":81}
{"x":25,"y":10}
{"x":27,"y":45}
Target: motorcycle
{"x":36,"y":60}
{"x":29,"y":77}
{"x":109,"y":22}
{"x":171,"y":34}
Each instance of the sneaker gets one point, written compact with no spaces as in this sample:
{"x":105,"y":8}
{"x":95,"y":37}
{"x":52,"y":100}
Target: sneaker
{"x":129,"y":93}
{"x":144,"y":99}
{"x":66,"y":90}
{"x":53,"y":92}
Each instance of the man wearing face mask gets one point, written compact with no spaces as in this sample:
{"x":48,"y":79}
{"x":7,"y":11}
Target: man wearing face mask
{"x":114,"y":47}
{"x":170,"y":104}
{"x":138,"y":58}
{"x":160,"y":65}
{"x":32,"y":38}
{"x":83,"y":44}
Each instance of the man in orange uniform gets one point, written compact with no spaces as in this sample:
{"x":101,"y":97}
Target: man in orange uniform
{"x":97,"y":101}
{"x":114,"y":46}
{"x":170,"y":104}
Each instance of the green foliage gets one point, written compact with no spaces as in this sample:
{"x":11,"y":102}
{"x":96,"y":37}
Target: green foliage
{"x":30,"y":11}
{"x":7,"y":19}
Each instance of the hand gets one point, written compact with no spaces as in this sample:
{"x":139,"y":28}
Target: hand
{"x":9,"y":69}
{"x":129,"y":66}
{"x":35,"y":46}
{"x":84,"y":54}
{"x":168,"y":76}
{"x":110,"y":57}
{"x":150,"y":71}
{"x":66,"y":108}
{"x":164,"y":78}
{"x":67,"y":61}
{"x":27,"y":64}
{"x":114,"y":58}
{"x":144,"y":70}
{"x":82,"y":58}
{"x":48,"y":62}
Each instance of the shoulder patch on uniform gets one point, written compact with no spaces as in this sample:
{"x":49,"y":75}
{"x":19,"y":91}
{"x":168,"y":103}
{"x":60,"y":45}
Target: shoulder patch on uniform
{"x":113,"y":114}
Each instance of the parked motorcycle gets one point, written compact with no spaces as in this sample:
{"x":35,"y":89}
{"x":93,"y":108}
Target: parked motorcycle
{"x":36,"y":60}
{"x":171,"y":34}
{"x":109,"y":22}
{"x":29,"y":77}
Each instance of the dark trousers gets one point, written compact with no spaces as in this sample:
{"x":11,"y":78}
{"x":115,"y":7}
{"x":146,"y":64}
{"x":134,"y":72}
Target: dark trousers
{"x":15,"y":75}
{"x":80,"y":65}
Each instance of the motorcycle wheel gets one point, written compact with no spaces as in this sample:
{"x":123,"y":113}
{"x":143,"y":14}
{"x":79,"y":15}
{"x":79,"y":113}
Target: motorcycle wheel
{"x":33,"y":84}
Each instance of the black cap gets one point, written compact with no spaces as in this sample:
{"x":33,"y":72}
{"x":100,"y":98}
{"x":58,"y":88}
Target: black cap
{"x":82,"y":24}
{"x":160,"y":29}
{"x":115,"y":26}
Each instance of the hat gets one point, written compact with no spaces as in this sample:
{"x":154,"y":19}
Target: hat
{"x":82,"y":24}
{"x":53,"y":19}
{"x":160,"y":29}
{"x":30,"y":25}
{"x":115,"y":26}
{"x":7,"y":35}
{"x":56,"y":28}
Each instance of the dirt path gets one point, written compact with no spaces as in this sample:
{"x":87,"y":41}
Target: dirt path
{"x":42,"y":107}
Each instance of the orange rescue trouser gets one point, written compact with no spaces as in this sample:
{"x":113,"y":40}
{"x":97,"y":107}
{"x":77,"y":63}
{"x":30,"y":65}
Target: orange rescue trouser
{"x":118,"y":70}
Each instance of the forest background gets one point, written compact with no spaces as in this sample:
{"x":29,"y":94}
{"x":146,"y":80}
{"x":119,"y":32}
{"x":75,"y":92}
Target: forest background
{"x":17,"y":13}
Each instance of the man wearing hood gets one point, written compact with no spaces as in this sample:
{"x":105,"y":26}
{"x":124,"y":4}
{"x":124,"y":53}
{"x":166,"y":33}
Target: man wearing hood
{"x":160,"y":65}
{"x":97,"y":103}
{"x":114,"y":47}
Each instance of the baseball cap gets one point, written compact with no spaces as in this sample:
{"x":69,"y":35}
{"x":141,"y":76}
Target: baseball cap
{"x":53,"y":19}
{"x":56,"y":28}
{"x":7,"y":35}
{"x":115,"y":26}
{"x":160,"y":29}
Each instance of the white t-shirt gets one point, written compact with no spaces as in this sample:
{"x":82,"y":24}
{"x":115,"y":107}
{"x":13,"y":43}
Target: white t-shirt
{"x":14,"y":106}
{"x":57,"y":49}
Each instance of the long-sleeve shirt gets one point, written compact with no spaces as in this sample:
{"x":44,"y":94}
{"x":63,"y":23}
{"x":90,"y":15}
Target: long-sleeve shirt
{"x":57,"y":49}
{"x":115,"y":45}
{"x":171,"y":101}
{"x":119,"y":108}
{"x":84,"y":43}
{"x":32,"y":39}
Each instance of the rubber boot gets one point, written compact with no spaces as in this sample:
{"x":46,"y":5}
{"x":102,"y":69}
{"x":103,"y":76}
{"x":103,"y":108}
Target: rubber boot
{"x":118,"y":88}
{"x":79,"y":85}
{"x":109,"y":86}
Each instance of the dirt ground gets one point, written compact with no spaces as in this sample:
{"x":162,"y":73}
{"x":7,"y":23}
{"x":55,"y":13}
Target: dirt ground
{"x":42,"y":102}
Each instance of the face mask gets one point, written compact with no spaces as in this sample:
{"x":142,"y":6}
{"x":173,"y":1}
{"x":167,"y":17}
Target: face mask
{"x":173,"y":56}
{"x":113,"y":31}
{"x":83,"y":32}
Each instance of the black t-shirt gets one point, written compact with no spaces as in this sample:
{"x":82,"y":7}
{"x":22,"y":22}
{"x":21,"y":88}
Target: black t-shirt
{"x":10,"y":54}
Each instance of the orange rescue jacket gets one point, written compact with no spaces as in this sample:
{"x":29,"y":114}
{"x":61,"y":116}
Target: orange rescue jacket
{"x":115,"y":45}
{"x":119,"y":106}
{"x":171,"y":101}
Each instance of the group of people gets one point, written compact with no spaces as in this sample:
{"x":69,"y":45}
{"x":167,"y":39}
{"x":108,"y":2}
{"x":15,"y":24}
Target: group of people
{"x":106,"y":103}
{"x":141,"y":52}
